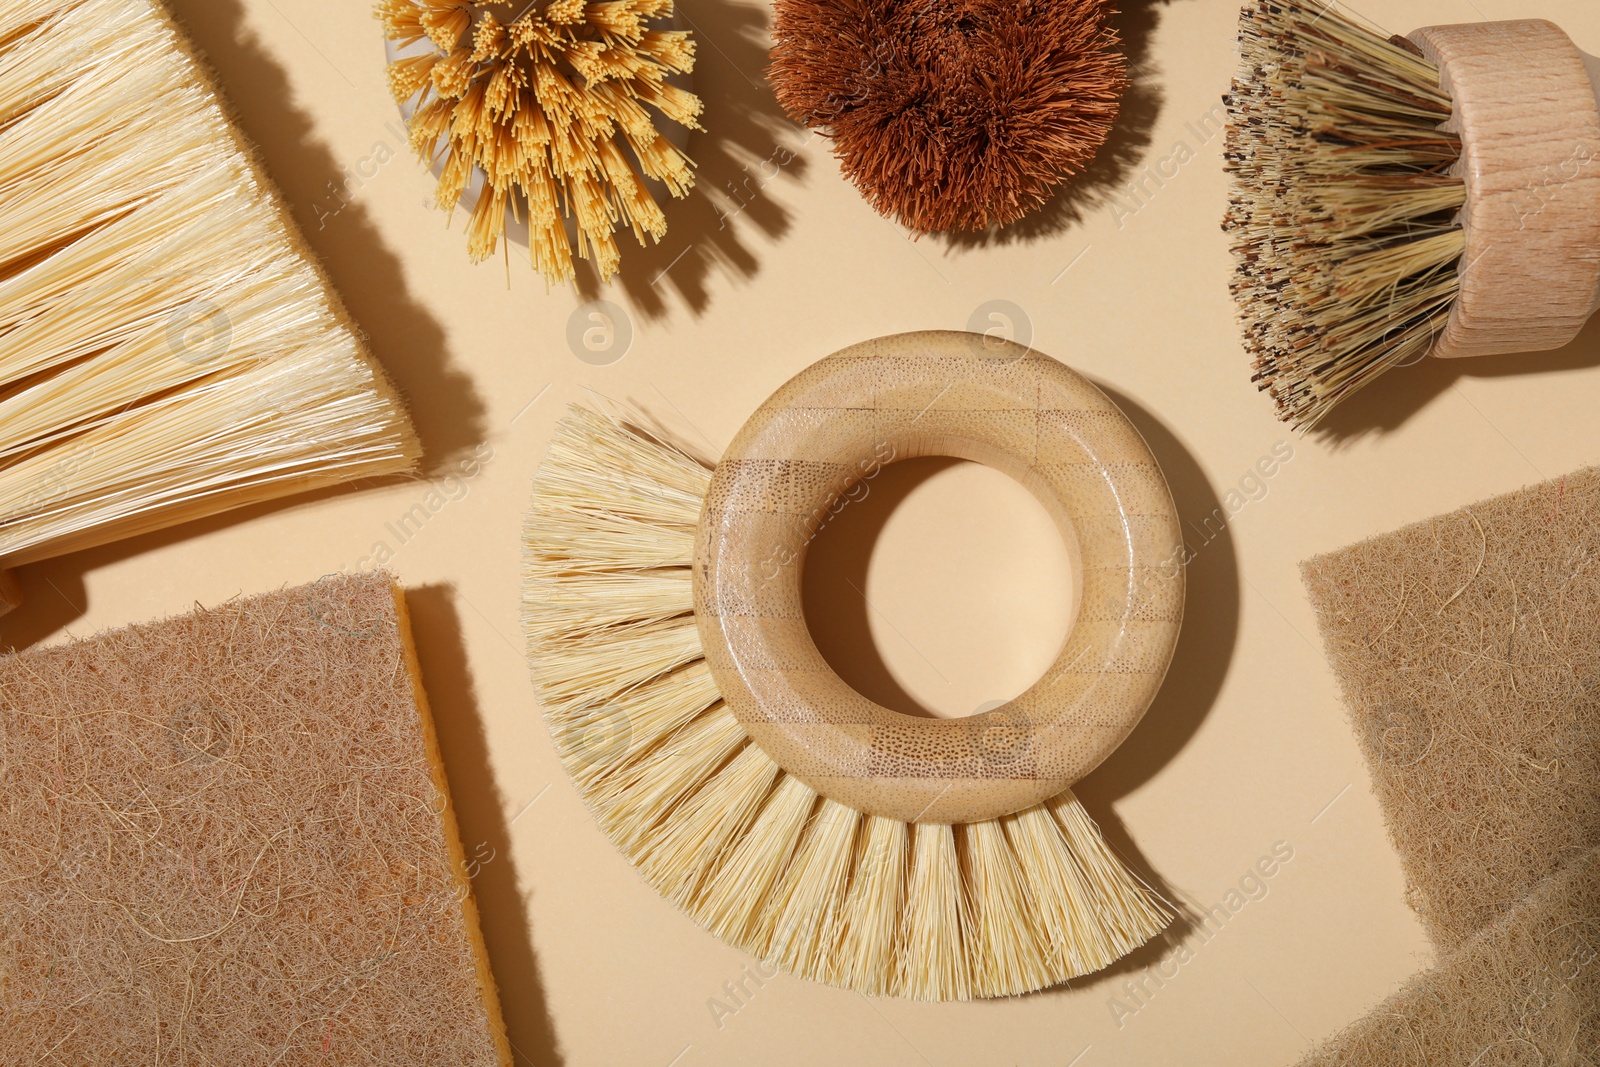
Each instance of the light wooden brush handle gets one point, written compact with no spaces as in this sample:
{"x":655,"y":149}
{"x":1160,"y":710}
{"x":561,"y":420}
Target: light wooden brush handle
{"x":816,"y":445}
{"x":1526,"y":111}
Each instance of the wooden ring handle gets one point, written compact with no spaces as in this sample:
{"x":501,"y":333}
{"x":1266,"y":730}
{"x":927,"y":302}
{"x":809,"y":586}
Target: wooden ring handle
{"x":1525,"y":108}
{"x":938,"y":394}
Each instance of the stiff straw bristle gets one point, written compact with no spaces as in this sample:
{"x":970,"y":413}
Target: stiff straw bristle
{"x":863,"y":902}
{"x":937,"y":928}
{"x":806,"y":907}
{"x":872,"y":912}
{"x":168,"y":348}
{"x":1343,"y":205}
{"x":540,"y":100}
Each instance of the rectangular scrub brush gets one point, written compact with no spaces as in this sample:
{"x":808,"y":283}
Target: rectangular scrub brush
{"x":168,"y":347}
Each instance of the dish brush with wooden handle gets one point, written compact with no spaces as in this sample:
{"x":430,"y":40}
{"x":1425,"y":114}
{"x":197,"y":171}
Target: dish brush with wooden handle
{"x":1436,"y":194}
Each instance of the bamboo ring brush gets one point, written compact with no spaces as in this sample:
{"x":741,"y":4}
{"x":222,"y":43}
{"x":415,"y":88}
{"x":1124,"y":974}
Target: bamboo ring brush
{"x":847,"y":843}
{"x":952,"y":114}
{"x":1432,"y":195}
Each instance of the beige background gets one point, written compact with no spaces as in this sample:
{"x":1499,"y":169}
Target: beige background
{"x":767,"y":268}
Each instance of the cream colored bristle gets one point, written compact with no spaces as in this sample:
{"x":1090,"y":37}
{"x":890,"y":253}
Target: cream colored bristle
{"x":1343,"y":204}
{"x":168,"y":348}
{"x":805,"y":910}
{"x":535,"y":99}
{"x":591,"y":671}
{"x":868,"y":957}
{"x":733,"y":902}
{"x":864,"y":902}
{"x":1007,"y":951}
{"x":1096,"y":915}
{"x":631,"y":805}
{"x":677,"y":859}
{"x":936,"y":921}
{"x":601,"y":739}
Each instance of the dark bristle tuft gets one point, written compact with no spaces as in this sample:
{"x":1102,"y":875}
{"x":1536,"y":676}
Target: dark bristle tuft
{"x":1343,"y":204}
{"x":952,"y":114}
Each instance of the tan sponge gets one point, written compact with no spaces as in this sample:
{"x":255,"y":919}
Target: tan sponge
{"x":1524,"y":990}
{"x":1468,"y":648}
{"x":226,"y":839}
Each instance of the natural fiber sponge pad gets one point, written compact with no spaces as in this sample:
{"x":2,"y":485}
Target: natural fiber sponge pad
{"x":1468,"y":648}
{"x":226,"y":839}
{"x":1523,"y":990}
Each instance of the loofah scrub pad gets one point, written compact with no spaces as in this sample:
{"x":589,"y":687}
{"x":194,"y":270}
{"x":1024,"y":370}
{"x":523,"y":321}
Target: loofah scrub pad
{"x":1524,"y":990}
{"x":226,"y":838}
{"x":1468,"y":649}
{"x":952,"y":114}
{"x":553,"y":106}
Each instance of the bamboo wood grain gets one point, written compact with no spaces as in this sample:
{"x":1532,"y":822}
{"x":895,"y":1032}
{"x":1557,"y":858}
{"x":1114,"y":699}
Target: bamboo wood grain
{"x":1526,"y":110}
{"x":812,"y":446}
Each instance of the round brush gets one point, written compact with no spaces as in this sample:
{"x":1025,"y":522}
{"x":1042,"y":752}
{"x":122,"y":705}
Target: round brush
{"x":552,"y":106}
{"x":845,"y":842}
{"x":952,"y":114}
{"x":1394,"y":198}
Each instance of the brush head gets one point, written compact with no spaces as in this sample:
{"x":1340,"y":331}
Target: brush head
{"x":554,"y":103}
{"x":169,"y":348}
{"x":885,"y":907}
{"x":1343,"y":205}
{"x":952,"y":114}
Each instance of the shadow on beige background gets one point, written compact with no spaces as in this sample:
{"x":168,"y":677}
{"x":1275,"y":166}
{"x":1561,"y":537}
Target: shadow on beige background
{"x":1199,"y":665}
{"x":838,"y":617}
{"x":481,"y":816}
{"x":54,"y":594}
{"x":746,"y":152}
{"x":836,"y":564}
{"x":1396,"y":396}
{"x":446,"y":407}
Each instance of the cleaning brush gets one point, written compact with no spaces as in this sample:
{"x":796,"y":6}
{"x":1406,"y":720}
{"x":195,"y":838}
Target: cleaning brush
{"x":552,"y":106}
{"x":952,"y":114}
{"x":842,"y":841}
{"x":168,"y":347}
{"x":1394,"y":198}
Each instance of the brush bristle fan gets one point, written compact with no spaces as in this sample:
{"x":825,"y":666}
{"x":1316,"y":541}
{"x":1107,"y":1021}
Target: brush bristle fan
{"x":840,"y":840}
{"x":169,"y":348}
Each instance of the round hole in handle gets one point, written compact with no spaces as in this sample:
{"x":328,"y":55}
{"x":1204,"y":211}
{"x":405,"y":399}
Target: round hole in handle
{"x":939,"y":586}
{"x":952,"y":394}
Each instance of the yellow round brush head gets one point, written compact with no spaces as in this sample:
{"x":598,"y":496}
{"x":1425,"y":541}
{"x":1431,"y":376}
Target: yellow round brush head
{"x":554,"y":107}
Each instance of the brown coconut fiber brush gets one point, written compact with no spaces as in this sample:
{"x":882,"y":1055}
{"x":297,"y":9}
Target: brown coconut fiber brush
{"x":168,"y":347}
{"x":952,"y":114}
{"x":840,"y":840}
{"x":1395,"y":198}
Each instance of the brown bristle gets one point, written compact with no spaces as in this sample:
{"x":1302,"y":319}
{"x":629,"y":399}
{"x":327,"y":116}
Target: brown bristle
{"x":542,"y":99}
{"x":952,"y":114}
{"x":1343,"y":204}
